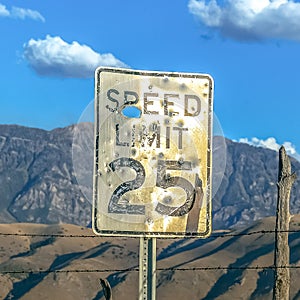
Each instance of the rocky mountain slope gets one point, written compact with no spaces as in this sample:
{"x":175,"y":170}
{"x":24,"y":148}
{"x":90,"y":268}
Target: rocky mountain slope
{"x":66,"y":262}
{"x":37,"y":180}
{"x":248,"y":190}
{"x":46,"y":177}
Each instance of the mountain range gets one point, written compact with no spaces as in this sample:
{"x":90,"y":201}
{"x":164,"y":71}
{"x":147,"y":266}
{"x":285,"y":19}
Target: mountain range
{"x":46,"y":177}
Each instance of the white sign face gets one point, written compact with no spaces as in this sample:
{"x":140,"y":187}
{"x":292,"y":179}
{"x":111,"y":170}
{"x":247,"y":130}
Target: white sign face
{"x":152,"y":169}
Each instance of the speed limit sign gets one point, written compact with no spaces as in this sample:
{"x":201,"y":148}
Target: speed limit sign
{"x":152,"y":162}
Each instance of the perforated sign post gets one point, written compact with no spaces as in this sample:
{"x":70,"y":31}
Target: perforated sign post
{"x":153,"y":142}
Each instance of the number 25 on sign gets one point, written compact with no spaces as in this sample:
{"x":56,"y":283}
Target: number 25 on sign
{"x":152,"y":162}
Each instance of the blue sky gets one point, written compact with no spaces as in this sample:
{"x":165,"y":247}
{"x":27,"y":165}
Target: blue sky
{"x":49,"y":51}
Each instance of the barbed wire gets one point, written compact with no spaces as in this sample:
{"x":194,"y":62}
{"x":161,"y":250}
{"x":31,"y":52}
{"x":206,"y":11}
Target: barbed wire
{"x":50,"y":235}
{"x":136,"y":269}
{"x":213,"y":235}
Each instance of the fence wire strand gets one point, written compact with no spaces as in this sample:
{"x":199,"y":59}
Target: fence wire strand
{"x":135,"y":269}
{"x":213,"y":235}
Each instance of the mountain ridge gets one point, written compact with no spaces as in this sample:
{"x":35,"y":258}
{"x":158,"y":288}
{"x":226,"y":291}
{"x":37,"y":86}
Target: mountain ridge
{"x":46,"y":177}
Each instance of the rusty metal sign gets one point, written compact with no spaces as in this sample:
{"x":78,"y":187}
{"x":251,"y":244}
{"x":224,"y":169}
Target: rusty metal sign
{"x":152,"y":169}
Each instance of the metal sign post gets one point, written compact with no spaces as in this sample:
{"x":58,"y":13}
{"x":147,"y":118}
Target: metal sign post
{"x":147,"y":269}
{"x":153,"y":159}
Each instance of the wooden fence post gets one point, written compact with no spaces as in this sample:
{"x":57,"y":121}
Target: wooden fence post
{"x":282,"y":252}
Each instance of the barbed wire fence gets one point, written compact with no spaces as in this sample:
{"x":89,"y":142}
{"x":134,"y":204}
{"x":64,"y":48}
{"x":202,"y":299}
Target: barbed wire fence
{"x":281,"y":232}
{"x":136,"y":269}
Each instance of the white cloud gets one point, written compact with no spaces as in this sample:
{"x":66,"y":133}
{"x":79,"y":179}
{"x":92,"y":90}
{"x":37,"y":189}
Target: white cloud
{"x":3,"y":11}
{"x":20,"y":13}
{"x":250,"y":19}
{"x":55,"y":57}
{"x":271,"y":143}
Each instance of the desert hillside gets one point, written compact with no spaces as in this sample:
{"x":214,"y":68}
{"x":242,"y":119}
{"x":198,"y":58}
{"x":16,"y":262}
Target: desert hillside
{"x":67,"y":261}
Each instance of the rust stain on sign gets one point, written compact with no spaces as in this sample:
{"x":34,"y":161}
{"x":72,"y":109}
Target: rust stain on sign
{"x":152,"y":172}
